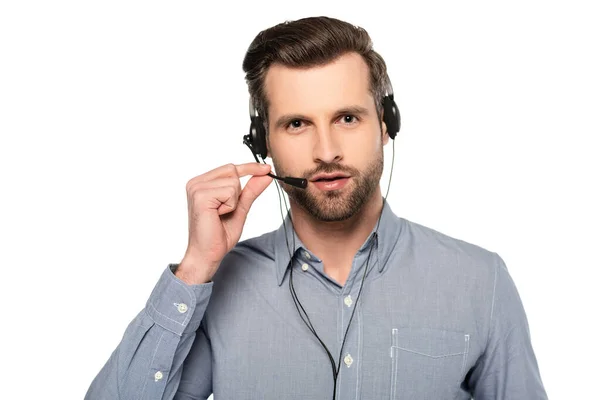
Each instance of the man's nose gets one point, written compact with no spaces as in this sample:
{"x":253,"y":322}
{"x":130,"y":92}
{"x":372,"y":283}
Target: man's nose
{"x":327,"y":148}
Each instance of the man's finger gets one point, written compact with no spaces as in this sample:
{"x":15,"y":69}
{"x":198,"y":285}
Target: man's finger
{"x":231,"y":170}
{"x":256,"y":169}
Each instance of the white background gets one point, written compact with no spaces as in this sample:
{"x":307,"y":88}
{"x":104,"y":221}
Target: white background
{"x":107,"y":109}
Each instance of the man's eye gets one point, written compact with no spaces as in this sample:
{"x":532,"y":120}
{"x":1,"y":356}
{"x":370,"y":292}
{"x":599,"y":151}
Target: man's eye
{"x":295,"y":124}
{"x":349,"y":119}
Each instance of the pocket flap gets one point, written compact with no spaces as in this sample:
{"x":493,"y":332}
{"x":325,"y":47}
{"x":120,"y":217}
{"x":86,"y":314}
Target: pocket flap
{"x":434,"y":343}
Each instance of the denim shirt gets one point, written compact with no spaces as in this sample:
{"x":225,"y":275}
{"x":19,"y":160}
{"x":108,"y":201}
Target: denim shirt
{"x":437,"y":318}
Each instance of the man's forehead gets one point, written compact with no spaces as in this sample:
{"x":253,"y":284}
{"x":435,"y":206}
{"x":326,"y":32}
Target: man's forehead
{"x":345,"y":80}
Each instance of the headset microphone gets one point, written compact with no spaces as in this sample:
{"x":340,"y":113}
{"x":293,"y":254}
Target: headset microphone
{"x":297,"y":182}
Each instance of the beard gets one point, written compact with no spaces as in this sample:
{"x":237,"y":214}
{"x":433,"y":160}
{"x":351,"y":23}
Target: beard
{"x":341,"y":204}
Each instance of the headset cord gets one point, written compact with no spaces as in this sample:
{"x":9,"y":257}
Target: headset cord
{"x":299,"y":306}
{"x":297,"y":303}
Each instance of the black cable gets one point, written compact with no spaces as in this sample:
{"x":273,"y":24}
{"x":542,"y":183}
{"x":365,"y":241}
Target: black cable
{"x":391,"y":169}
{"x":335,"y":368}
{"x":294,"y":296}
{"x":298,"y":304}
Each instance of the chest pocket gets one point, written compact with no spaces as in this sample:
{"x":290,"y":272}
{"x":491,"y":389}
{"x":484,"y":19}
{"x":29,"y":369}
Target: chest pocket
{"x":427,"y":363}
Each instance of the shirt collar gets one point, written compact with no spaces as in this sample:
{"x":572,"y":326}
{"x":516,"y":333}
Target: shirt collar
{"x":390,"y":228}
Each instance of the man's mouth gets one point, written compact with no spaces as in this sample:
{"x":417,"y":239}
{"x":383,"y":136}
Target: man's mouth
{"x":328,"y":177}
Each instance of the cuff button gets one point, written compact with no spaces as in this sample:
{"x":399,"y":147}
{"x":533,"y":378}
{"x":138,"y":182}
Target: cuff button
{"x":181,"y":307}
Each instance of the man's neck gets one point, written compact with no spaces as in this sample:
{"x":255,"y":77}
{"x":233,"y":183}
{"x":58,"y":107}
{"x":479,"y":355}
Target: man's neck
{"x":336,"y":243}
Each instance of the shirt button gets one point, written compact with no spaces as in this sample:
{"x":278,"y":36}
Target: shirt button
{"x":348,"y":360}
{"x":304,"y":267}
{"x":348,"y":301}
{"x":181,"y":307}
{"x":307,"y":255}
{"x":158,"y":376}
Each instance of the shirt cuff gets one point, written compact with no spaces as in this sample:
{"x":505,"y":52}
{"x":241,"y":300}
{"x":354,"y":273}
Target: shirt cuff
{"x":177,"y":306}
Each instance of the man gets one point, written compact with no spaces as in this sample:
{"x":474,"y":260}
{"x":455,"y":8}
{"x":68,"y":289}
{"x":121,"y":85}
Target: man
{"x":345,"y":300}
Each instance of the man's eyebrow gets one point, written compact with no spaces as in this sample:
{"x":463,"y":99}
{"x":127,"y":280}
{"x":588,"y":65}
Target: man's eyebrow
{"x":358,"y":110}
{"x":287,"y":118}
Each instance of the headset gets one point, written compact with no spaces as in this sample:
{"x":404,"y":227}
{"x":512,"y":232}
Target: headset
{"x":256,"y":139}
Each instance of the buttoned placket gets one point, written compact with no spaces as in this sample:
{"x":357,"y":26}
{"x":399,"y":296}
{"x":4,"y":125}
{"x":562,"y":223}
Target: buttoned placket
{"x":348,"y":381}
{"x":349,"y":374}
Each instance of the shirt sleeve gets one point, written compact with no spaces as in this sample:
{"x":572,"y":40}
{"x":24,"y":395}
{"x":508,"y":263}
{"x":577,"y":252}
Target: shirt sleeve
{"x":147,"y":363}
{"x":508,"y":367}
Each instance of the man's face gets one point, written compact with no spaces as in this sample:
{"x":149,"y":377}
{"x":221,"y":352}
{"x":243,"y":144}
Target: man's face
{"x":323,"y":124}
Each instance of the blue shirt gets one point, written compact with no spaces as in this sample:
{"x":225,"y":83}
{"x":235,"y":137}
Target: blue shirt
{"x":437,"y":318}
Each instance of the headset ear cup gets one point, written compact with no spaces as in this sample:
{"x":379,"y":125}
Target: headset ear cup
{"x":258,"y":134}
{"x":391,"y":116}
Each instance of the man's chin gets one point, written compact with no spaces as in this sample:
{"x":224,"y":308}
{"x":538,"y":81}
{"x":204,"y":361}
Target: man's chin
{"x":330,"y":209}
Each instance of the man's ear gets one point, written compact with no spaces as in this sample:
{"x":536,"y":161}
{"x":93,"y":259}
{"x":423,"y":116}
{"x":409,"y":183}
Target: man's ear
{"x":386,"y":137}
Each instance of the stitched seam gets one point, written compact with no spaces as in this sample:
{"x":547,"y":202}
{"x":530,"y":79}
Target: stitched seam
{"x":163,"y":315}
{"x":392,"y":373}
{"x":340,"y":339}
{"x":428,"y":355}
{"x":164,"y":327}
{"x":464,"y":363}
{"x":358,"y":350}
{"x":151,"y":362}
{"x":340,"y":318}
{"x":379,"y":256}
{"x":395,"y":375}
{"x":493,"y":302}
{"x":394,"y":367}
{"x":379,"y":275}
{"x":395,"y":241}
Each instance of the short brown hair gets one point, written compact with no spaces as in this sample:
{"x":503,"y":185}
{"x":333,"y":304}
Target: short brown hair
{"x":305,"y":43}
